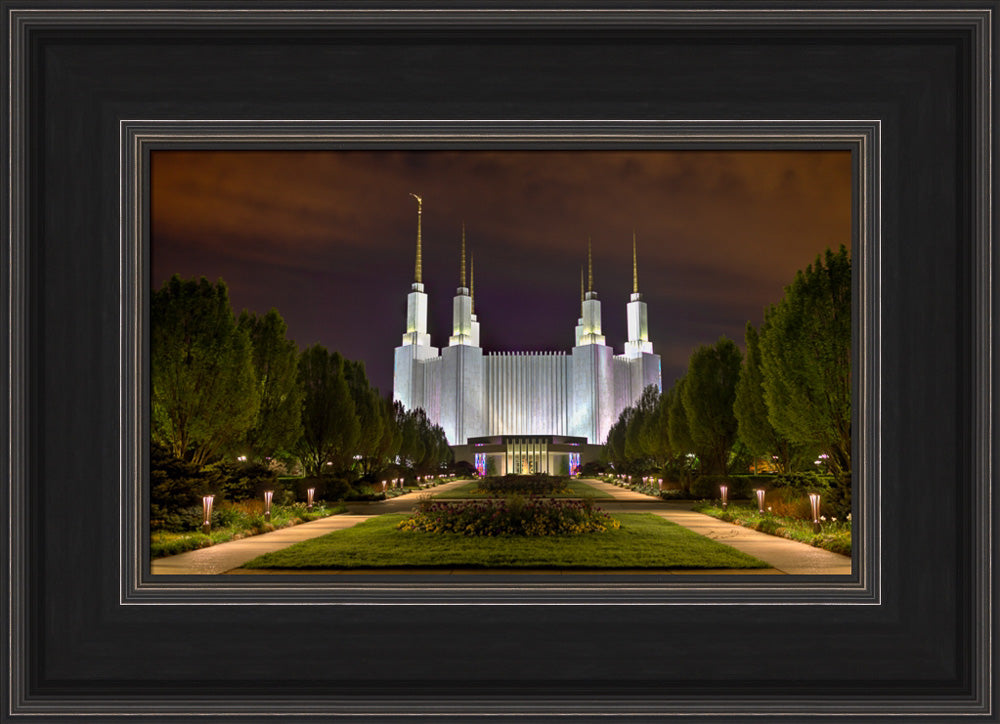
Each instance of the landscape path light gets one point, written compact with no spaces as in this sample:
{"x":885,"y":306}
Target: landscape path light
{"x":206,"y":508}
{"x":268,"y":496}
{"x":724,"y":492}
{"x":760,"y":499}
{"x":310,"y":493}
{"x":814,"y":504}
{"x":383,"y":486}
{"x":659,"y":482}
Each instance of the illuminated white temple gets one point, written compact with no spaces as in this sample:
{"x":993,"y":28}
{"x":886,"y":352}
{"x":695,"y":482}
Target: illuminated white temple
{"x":522,"y":411}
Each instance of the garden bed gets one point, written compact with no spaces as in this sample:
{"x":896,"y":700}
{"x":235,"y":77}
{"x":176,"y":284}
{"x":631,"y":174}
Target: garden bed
{"x":234,"y":523}
{"x":573,"y":489}
{"x":835,"y":535}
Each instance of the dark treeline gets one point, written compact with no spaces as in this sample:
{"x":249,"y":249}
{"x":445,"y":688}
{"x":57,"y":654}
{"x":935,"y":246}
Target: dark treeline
{"x":229,"y":390}
{"x":783,"y":406}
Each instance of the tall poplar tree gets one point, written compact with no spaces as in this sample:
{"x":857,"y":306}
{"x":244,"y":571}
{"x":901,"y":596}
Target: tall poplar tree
{"x":278,"y":424}
{"x":806,"y":364}
{"x":330,"y":427}
{"x":709,"y":392}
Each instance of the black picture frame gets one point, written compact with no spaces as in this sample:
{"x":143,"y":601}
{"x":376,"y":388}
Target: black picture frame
{"x":909,"y":634}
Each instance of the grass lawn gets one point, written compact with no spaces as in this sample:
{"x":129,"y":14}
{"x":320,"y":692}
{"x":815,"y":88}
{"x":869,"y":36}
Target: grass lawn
{"x":577,"y":489}
{"x":643,"y":541}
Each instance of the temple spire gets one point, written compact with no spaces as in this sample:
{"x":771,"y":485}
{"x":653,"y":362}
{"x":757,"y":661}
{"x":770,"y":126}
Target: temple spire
{"x":590,"y":267}
{"x":461,"y":275}
{"x":635,"y":267}
{"x":472,"y":281}
{"x":581,"y":284}
{"x":418,"y":274}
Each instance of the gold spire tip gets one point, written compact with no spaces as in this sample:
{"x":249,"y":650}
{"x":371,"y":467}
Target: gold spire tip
{"x":418,"y":271}
{"x":461,"y":275}
{"x":590,"y":267}
{"x":635,"y":267}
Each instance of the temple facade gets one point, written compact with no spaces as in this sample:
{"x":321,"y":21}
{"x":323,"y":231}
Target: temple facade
{"x":522,"y":412}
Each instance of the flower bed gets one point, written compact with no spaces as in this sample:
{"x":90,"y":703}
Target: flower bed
{"x":512,"y":516}
{"x":835,"y":535}
{"x":523,"y":485}
{"x":235,"y":521}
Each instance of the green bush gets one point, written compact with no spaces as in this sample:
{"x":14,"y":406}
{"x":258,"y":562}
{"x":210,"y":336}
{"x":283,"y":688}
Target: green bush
{"x":246,"y":481}
{"x":176,"y":489}
{"x":327,"y":487}
{"x":540,"y":484}
{"x":512,"y":516}
{"x":707,"y":487}
{"x":806,"y":482}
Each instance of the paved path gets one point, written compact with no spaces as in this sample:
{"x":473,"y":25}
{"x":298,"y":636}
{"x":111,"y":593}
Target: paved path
{"x":227,"y":556}
{"x":786,"y":556}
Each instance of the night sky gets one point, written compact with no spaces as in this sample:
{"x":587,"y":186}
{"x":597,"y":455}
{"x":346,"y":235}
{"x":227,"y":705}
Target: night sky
{"x":328,"y":238}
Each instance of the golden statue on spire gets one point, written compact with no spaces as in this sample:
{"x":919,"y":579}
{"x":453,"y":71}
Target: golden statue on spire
{"x":419,"y":270}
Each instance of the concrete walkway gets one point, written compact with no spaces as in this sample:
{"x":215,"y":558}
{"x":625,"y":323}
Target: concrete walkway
{"x":784,"y":555}
{"x":227,"y":556}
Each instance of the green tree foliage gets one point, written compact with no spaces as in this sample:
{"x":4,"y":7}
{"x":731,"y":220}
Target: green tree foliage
{"x":330,"y":427}
{"x":370,"y":409}
{"x":614,"y":447}
{"x":423,"y":445}
{"x":708,"y":395}
{"x":640,"y":443}
{"x":678,"y":431}
{"x":204,"y":395}
{"x":755,"y":429}
{"x":806,"y":363}
{"x":278,"y":424}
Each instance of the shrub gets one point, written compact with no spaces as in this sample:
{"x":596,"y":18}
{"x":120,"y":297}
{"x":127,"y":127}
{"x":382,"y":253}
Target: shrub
{"x":238,"y":482}
{"x":176,"y":488}
{"x":523,"y":485}
{"x":804,"y":482}
{"x":327,"y":487}
{"x":707,"y":486}
{"x":513,"y":516}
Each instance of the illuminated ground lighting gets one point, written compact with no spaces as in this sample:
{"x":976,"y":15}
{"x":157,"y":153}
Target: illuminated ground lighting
{"x":724,"y":492}
{"x":760,"y":499}
{"x":310,"y":493}
{"x":268,"y":497}
{"x":814,"y":504}
{"x":383,"y":486}
{"x":659,"y":482}
{"x":206,"y":508}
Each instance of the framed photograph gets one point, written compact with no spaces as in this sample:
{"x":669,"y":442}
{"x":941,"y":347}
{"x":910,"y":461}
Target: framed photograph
{"x":101,"y":98}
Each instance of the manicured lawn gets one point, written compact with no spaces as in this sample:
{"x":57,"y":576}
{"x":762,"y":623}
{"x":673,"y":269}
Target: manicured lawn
{"x":577,"y":489}
{"x":643,"y":541}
